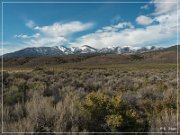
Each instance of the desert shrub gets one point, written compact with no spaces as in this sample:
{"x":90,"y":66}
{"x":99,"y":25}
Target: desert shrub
{"x":94,"y":111}
{"x":38,"y":68}
{"x":14,"y":95}
{"x":14,"y":113}
{"x":170,"y":99}
{"x":114,"y":121}
{"x":162,"y":86}
{"x":56,"y":96}
{"x":77,"y":83}
{"x":153,"y":79}
{"x":68,"y":115}
{"x":136,"y":57}
{"x":127,"y":84}
{"x":165,"y":122}
{"x":47,"y":92}
{"x":49,"y":72}
{"x":19,"y":82}
{"x":41,"y":113}
{"x":91,"y":87}
{"x":150,"y":92}
{"x":5,"y":78}
{"x":173,"y":83}
{"x":23,"y":125}
{"x":21,"y":75}
{"x":104,"y":113}
{"x":55,"y":90}
{"x":112,"y":83}
{"x":131,"y":97}
{"x":44,"y":123}
{"x":90,"y":99}
{"x":36,"y":85}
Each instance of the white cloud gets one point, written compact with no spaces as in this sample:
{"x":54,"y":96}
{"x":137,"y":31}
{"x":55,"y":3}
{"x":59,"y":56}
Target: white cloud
{"x":24,"y":36}
{"x":124,"y":25}
{"x":10,"y":47}
{"x":127,"y":37}
{"x":164,"y":6}
{"x":46,"y":41}
{"x":30,"y":23}
{"x":64,"y":29}
{"x":116,"y":27}
{"x":51,"y":35}
{"x":121,"y":34}
{"x":163,"y":32}
{"x":165,"y":29}
{"x":144,"y":20}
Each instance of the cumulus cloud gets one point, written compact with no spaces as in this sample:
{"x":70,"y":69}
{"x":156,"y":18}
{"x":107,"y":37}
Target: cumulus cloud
{"x":144,"y":20}
{"x":116,"y":27}
{"x":127,"y":37}
{"x":64,"y":29}
{"x":164,"y":30}
{"x":164,"y":6}
{"x":118,"y":34}
{"x":46,"y":41}
{"x":55,"y":34}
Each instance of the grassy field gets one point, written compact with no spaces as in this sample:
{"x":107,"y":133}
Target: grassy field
{"x":57,"y":67}
{"x":91,"y":98}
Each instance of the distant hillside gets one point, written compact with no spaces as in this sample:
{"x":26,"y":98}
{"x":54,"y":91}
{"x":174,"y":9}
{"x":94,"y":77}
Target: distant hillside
{"x":173,"y":48}
{"x":153,"y":57}
{"x":168,"y":55}
{"x":35,"y":52}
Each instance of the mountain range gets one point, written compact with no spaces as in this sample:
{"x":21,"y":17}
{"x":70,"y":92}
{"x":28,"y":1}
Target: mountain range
{"x":83,"y":50}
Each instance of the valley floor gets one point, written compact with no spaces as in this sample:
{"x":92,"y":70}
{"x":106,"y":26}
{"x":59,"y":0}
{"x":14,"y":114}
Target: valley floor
{"x":90,"y":98}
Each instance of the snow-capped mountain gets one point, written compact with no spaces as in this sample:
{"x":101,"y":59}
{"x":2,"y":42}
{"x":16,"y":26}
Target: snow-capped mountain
{"x":117,"y":50}
{"x":148,"y":49}
{"x":88,"y":49}
{"x":76,"y":50}
{"x":106,"y":50}
{"x":64,"y":49}
{"x":35,"y":52}
{"x":85,"y":49}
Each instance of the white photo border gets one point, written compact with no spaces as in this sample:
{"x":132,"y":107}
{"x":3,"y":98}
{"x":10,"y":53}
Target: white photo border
{"x":78,"y":2}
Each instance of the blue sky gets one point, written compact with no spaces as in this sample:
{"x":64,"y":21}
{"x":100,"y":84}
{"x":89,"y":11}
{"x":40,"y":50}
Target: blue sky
{"x":96,"y":24}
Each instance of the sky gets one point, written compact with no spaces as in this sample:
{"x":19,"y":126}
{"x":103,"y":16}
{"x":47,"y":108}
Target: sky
{"x":152,"y":23}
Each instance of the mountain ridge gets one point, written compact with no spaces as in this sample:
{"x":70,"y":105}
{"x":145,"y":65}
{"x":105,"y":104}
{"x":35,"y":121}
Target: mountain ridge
{"x":84,"y":50}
